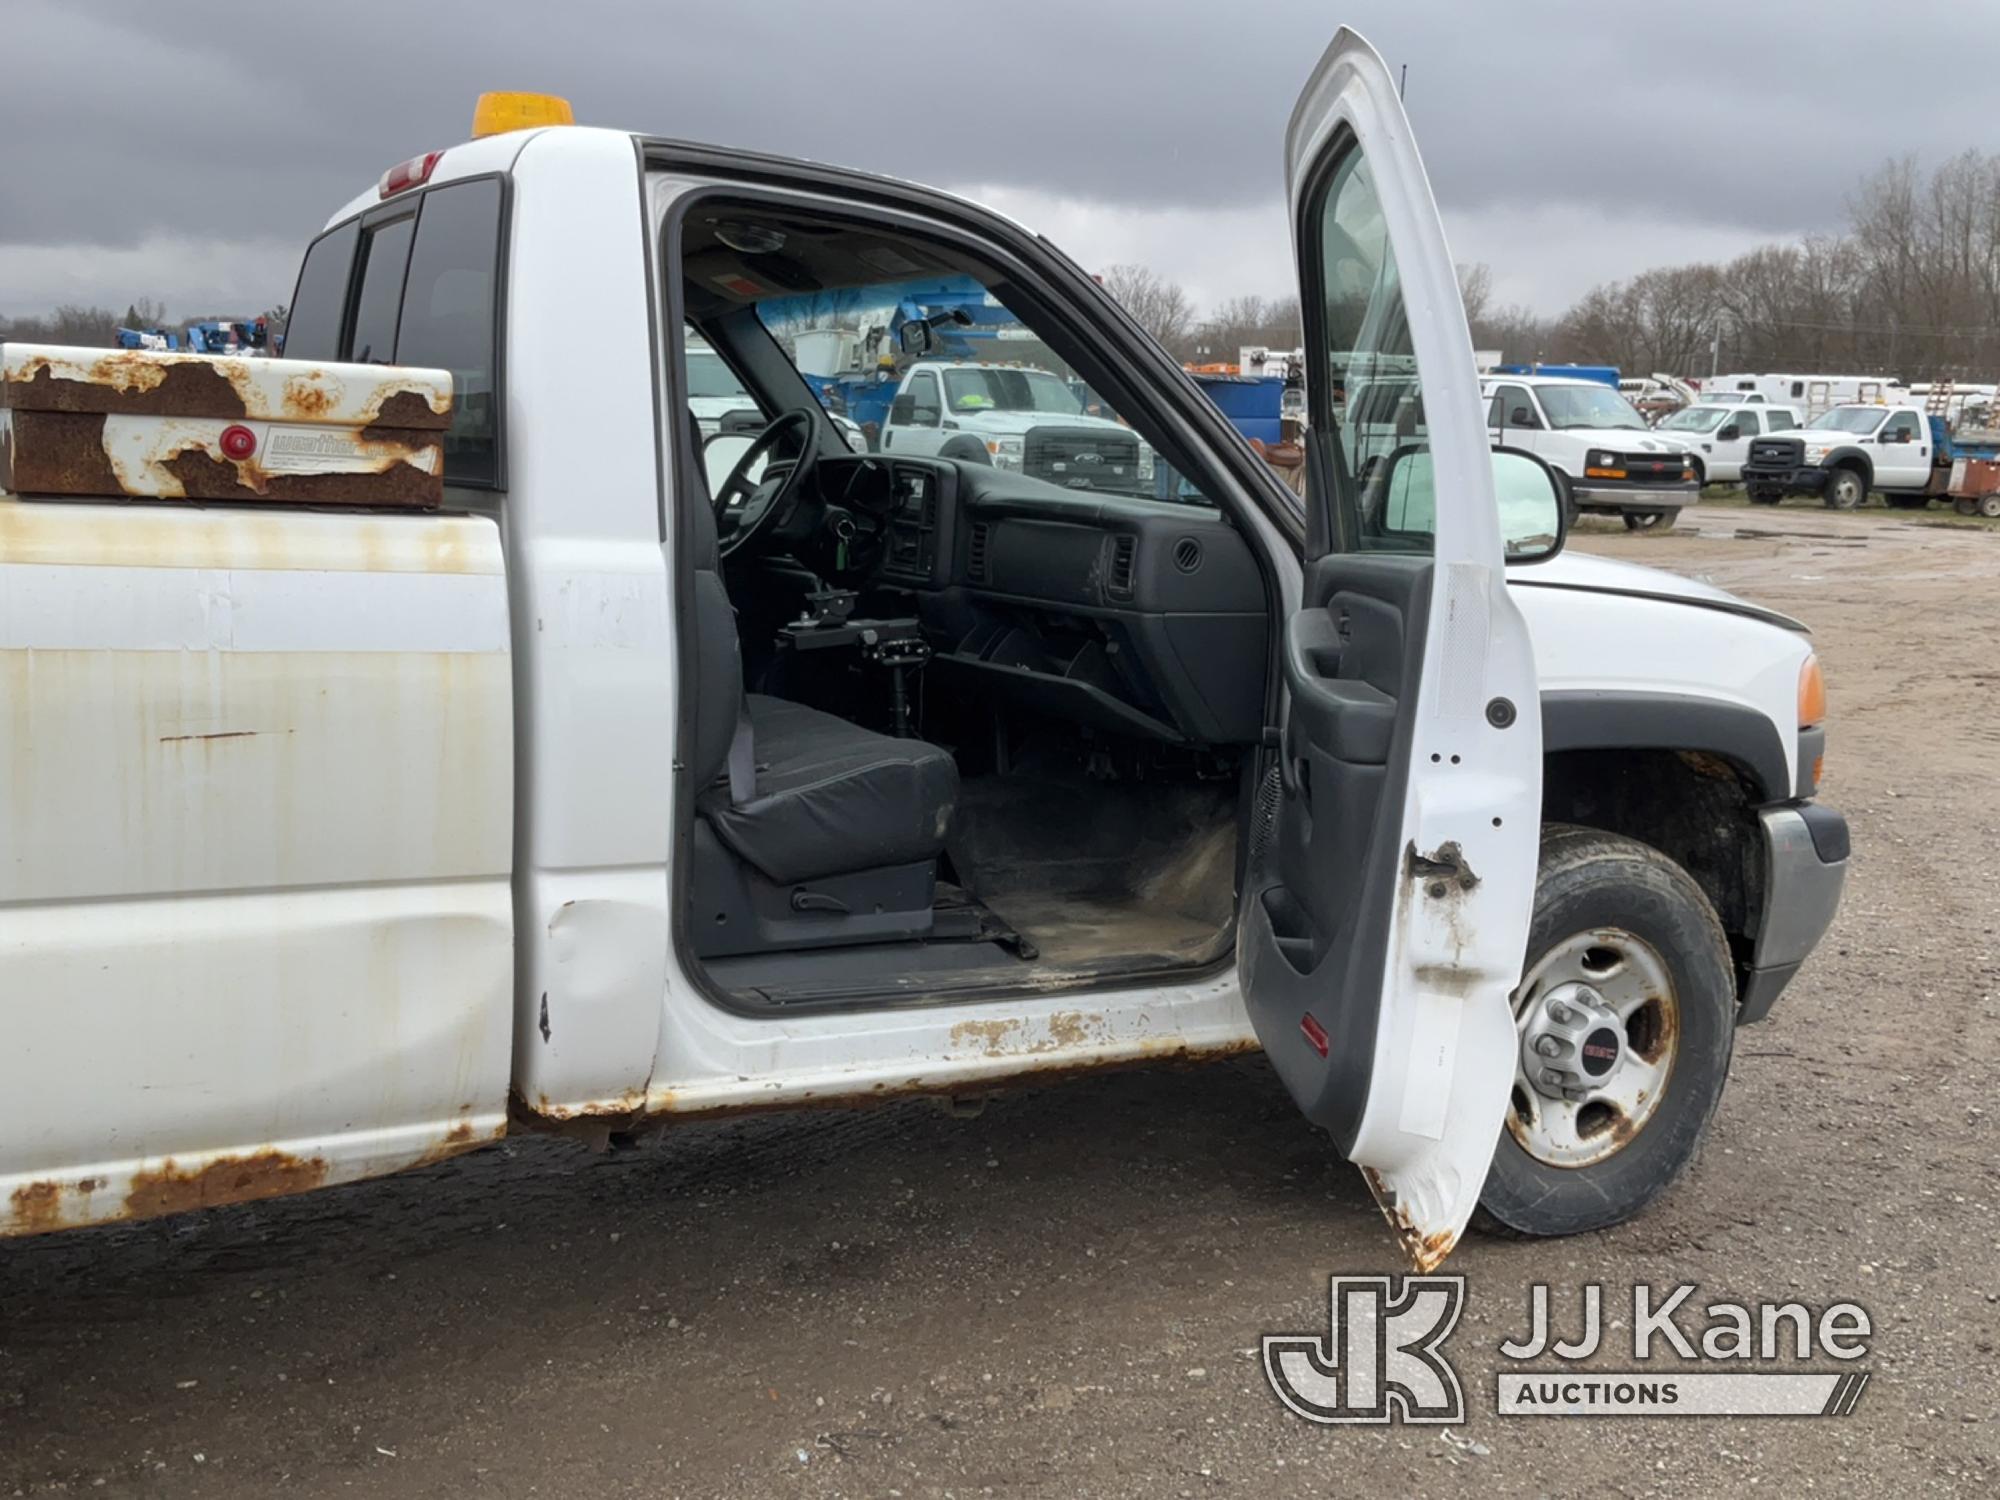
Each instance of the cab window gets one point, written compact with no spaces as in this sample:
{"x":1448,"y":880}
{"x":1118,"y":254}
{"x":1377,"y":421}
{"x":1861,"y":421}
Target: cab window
{"x":449,"y":304}
{"x":385,"y":257}
{"x":924,"y":408}
{"x":319,"y":305}
{"x":1513,"y":407}
{"x":1359,"y":337}
{"x":420,"y":288}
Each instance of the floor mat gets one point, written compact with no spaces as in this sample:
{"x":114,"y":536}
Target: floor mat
{"x":1095,"y":871}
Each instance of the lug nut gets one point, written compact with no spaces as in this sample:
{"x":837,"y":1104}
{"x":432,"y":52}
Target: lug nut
{"x":1551,"y":1077}
{"x":1548,"y":1046}
{"x":1559,"y":1013}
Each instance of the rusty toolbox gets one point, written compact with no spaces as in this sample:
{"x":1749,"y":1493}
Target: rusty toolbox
{"x":197,"y":427}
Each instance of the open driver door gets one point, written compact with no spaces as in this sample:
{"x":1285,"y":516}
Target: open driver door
{"x":1386,"y":904}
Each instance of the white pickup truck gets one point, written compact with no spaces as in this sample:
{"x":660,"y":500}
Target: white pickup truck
{"x":1014,"y":417}
{"x":399,"y":756}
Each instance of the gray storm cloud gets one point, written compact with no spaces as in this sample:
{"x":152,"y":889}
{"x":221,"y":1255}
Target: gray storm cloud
{"x":1568,"y":142}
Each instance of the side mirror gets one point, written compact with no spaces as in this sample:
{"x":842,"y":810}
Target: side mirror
{"x":851,"y":434}
{"x":1532,"y":522}
{"x":1520,"y":416}
{"x":1533,"y":519}
{"x":916,"y":338}
{"x":903,"y":410}
{"x":1729,"y":434}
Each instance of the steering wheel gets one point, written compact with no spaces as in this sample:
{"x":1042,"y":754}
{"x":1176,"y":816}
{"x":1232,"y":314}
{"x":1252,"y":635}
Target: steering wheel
{"x":746,"y":511}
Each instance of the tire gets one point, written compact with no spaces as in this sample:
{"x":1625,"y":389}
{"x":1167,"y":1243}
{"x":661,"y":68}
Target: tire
{"x":1652,"y":520}
{"x":1965,"y":505}
{"x":1908,"y":502}
{"x":1845,"y":489}
{"x":1989,"y":506}
{"x":1595,"y":886}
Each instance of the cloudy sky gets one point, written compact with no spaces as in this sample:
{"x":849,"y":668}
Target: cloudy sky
{"x":185,"y":151}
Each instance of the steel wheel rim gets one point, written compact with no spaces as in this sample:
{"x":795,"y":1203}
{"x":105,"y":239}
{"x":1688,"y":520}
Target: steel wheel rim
{"x":1596,"y":974}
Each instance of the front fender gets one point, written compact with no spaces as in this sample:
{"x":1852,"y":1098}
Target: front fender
{"x":1858,"y":458}
{"x":1622,"y":719}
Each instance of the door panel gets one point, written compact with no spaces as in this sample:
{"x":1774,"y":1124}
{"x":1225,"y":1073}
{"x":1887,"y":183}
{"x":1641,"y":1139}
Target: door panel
{"x":1388,"y":891}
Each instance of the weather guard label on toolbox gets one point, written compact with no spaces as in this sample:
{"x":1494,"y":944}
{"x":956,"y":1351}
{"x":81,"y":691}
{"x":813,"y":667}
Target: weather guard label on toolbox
{"x":334,"y":450}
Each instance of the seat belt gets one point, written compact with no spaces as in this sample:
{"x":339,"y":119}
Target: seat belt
{"x":742,"y":760}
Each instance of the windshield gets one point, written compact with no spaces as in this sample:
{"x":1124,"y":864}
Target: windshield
{"x":1696,"y":419}
{"x":992,"y":388}
{"x":707,"y":375}
{"x":1588,"y":406}
{"x":1850,"y":419}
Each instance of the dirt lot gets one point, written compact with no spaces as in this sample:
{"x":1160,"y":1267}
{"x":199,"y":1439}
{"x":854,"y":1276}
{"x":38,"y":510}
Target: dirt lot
{"x":1060,"y":1296}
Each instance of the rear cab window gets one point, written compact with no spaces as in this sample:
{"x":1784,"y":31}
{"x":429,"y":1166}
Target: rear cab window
{"x":417,"y":283}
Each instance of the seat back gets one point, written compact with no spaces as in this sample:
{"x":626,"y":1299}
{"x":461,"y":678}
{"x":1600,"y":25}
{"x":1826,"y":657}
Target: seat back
{"x":718,"y":663}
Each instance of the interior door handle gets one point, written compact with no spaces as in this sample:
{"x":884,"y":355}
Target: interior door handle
{"x":1346,"y":717}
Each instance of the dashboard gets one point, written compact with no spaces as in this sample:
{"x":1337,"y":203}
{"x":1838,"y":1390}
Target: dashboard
{"x":1138,"y":616}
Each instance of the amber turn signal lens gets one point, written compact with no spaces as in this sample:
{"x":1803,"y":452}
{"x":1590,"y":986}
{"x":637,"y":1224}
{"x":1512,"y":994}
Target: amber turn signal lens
{"x":1812,"y":694}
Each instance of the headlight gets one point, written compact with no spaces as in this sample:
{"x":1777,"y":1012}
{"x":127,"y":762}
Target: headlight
{"x":1006,"y":452}
{"x":1817,"y":452}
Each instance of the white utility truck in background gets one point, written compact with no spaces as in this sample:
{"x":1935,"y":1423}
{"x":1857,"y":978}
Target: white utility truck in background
{"x":409,"y":741}
{"x":1843,"y":453}
{"x":1019,"y":418}
{"x":1718,"y":434}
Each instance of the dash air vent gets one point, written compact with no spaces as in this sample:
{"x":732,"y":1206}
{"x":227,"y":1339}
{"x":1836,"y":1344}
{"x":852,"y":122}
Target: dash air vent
{"x":1124,"y":564}
{"x":976,"y":549}
{"x":1187,"y":554}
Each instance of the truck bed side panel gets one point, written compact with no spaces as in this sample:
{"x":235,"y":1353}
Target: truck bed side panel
{"x":256,"y":789}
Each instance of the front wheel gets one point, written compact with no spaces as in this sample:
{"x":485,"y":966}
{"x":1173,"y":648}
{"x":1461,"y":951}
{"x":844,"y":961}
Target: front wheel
{"x":1844,"y":489}
{"x":1652,"y":520}
{"x":1625,"y":1017}
{"x":1989,"y":506}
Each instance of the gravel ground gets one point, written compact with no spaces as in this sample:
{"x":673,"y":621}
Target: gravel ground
{"x":1060,"y":1296}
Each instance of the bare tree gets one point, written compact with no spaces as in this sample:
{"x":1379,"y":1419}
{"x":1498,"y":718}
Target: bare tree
{"x":1475,"y":288}
{"x":1159,"y":306}
{"x":1250,"y":319}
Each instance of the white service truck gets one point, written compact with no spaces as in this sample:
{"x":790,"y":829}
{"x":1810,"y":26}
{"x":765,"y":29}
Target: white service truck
{"x":1015,"y":417}
{"x":1843,"y":453}
{"x":400,"y":755}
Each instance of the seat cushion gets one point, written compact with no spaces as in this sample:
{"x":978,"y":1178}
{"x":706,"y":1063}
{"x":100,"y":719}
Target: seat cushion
{"x":833,"y":797}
